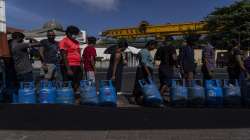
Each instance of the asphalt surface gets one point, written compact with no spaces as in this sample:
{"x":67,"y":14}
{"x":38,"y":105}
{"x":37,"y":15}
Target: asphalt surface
{"x":182,"y":134}
{"x":70,"y":117}
{"x":57,"y":122}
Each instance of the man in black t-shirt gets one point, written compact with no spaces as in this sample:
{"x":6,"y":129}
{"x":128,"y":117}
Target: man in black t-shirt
{"x":187,"y":60}
{"x":235,"y":64}
{"x":168,"y":65}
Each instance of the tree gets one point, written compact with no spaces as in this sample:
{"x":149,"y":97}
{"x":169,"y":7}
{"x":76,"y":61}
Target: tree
{"x":228,"y":23}
{"x":193,"y":37}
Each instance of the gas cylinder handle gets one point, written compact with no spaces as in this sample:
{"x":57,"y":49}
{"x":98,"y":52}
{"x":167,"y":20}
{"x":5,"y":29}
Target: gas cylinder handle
{"x":106,"y":83}
{"x":173,"y":83}
{"x":150,"y":80}
{"x":110,"y":83}
{"x":82,"y":83}
{"x":142,"y":83}
{"x":69,"y":84}
{"x":66,"y":84}
{"x":27,"y":85}
{"x":91,"y":82}
{"x":208,"y":83}
{"x":198,"y":82}
{"x":45,"y":83}
{"x":237,"y":83}
{"x":194,"y":83}
{"x":226,"y":82}
{"x":85,"y":83}
{"x":217,"y":82}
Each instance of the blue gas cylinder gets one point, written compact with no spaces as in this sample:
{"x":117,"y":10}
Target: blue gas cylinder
{"x":47,"y":93}
{"x":88,"y":93}
{"x":214,"y":93}
{"x":232,"y":93}
{"x":14,"y":98}
{"x":107,"y":94}
{"x":151,"y":94}
{"x":178,"y":93}
{"x":196,"y":93}
{"x":64,"y":93}
{"x":26,"y":93}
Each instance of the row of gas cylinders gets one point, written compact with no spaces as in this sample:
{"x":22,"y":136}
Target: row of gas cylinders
{"x":213,"y":93}
{"x":62,"y":93}
{"x":195,"y":93}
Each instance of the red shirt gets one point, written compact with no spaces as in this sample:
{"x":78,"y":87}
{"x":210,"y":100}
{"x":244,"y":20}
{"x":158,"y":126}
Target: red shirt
{"x":88,"y":52}
{"x":72,"y":49}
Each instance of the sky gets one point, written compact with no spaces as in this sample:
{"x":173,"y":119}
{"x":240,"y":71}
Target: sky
{"x":98,"y":15}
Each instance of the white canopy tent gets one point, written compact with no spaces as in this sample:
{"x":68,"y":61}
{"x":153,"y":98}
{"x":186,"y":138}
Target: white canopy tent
{"x":133,"y":50}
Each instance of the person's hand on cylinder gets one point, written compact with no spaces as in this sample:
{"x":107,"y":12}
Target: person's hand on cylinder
{"x":113,"y":78}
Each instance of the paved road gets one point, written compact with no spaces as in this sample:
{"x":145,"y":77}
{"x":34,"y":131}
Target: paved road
{"x":183,"y":134}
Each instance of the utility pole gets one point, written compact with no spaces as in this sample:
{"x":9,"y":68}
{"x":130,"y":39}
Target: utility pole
{"x":4,"y":50}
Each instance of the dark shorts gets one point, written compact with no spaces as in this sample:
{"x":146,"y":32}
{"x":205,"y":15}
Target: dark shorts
{"x":166,"y":75}
{"x":205,"y":72}
{"x":118,"y":79}
{"x":76,"y":77}
{"x":189,"y":67}
{"x":234,"y":73}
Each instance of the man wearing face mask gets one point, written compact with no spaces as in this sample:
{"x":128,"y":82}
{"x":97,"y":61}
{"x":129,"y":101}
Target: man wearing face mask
{"x":70,"y":51}
{"x":49,"y":55}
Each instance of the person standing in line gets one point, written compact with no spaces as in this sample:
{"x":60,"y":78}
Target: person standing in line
{"x":20,"y":54}
{"x":168,"y":69}
{"x":71,"y":57}
{"x":236,"y":66}
{"x":89,"y":59}
{"x":145,"y":68}
{"x":116,"y":65}
{"x":49,"y":56}
{"x":247,"y":62}
{"x":187,"y":60}
{"x":208,"y":62}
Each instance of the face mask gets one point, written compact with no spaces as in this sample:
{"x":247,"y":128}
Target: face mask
{"x":51,"y":38}
{"x":74,"y":37}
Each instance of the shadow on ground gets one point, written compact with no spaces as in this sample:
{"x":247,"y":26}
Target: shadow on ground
{"x":62,"y":117}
